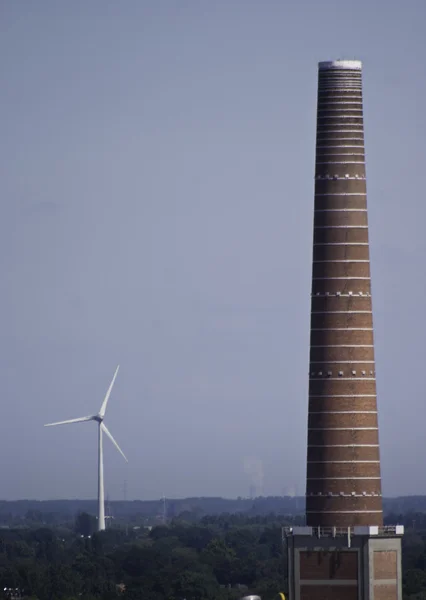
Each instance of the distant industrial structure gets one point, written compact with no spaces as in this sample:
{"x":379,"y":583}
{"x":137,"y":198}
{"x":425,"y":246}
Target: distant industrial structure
{"x":344,"y":552}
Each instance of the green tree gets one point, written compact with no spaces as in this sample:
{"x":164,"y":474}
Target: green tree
{"x":85,"y":524}
{"x":414,"y":581}
{"x":192,"y":586}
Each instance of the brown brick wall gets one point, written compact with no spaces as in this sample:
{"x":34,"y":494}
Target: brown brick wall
{"x":340,"y":236}
{"x":345,"y":147}
{"x":329,"y":565}
{"x":340,"y":218}
{"x":339,"y":109}
{"x":321,"y":371}
{"x":348,"y":337}
{"x":328,"y":592}
{"x":340,"y":75}
{"x":339,"y":116}
{"x":341,"y":269}
{"x":331,"y":137}
{"x":344,"y":123}
{"x":317,"y":404}
{"x":325,"y":125}
{"x":329,"y":353}
{"x":341,"y":340}
{"x":321,"y":148}
{"x":340,"y":511}
{"x":341,"y":319}
{"x":338,"y":503}
{"x":340,"y":103}
{"x":340,"y":518}
{"x":340,"y":154}
{"x":341,"y":302}
{"x":349,"y":469}
{"x":333,"y":286}
{"x":325,"y":419}
{"x":350,"y":453}
{"x":346,"y":367}
{"x":385,"y":565}
{"x":342,"y":437}
{"x":346,"y":486}
{"x":340,"y":186}
{"x":341,"y":385}
{"x":341,"y":252}
{"x":344,"y":520}
{"x":385,"y":592}
{"x":339,"y":94}
{"x":340,"y":127}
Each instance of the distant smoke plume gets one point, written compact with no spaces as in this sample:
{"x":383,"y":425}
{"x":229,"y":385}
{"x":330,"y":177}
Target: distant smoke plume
{"x":291,"y":492}
{"x":253,"y":467}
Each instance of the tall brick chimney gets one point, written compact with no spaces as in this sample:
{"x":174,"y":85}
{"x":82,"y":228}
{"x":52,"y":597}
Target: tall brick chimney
{"x":343,"y":486}
{"x":344,"y":552}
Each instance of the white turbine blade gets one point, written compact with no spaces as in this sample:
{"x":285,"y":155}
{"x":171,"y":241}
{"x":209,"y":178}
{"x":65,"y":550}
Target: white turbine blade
{"x":105,"y":402}
{"x":80,"y":420}
{"x":104,"y":428}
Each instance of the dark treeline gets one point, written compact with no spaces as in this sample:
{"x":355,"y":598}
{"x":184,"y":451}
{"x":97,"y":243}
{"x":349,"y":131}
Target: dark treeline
{"x":54,"y":512}
{"x":190,"y":556}
{"x":220,"y":557}
{"x":139,"y":509}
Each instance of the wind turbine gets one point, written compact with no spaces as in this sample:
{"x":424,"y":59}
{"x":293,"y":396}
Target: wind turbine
{"x":102,"y":428}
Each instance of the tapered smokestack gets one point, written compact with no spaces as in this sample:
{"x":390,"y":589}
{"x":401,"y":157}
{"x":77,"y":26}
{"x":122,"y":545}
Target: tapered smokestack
{"x":343,"y":463}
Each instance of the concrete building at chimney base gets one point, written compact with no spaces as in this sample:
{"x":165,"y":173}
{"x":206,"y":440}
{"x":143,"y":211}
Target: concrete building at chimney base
{"x":344,"y":552}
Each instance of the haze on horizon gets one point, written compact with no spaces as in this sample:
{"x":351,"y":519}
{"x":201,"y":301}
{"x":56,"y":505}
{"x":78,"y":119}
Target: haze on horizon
{"x":156,"y":188}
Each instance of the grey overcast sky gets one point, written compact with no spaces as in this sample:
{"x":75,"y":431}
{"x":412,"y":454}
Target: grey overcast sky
{"x":156,"y":190}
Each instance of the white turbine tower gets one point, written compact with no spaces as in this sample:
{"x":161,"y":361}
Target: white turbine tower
{"x":99,"y":418}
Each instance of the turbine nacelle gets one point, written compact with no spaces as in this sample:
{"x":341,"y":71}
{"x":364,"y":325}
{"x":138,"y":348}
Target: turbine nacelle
{"x":99,"y":417}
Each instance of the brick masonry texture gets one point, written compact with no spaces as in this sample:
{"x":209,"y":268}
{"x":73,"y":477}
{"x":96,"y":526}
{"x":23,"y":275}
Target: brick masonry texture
{"x":341,"y":286}
{"x":330,"y":503}
{"x":352,"y":469}
{"x":342,"y":303}
{"x":350,"y":453}
{"x":339,"y":171}
{"x":385,"y":565}
{"x":328,"y":565}
{"x":324,"y":137}
{"x":341,"y":404}
{"x":340,"y":252}
{"x":343,"y":216}
{"x":342,"y":437}
{"x":334,"y":485}
{"x":327,"y":353}
{"x":346,"y":337}
{"x":329,"y":592}
{"x":386,"y":592}
{"x":339,"y":419}
{"x":348,"y":269}
{"x":344,"y":385}
{"x":342,"y":185}
{"x":341,"y":319}
{"x":343,"y":472}
{"x":333,"y":369}
{"x":342,"y":235}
